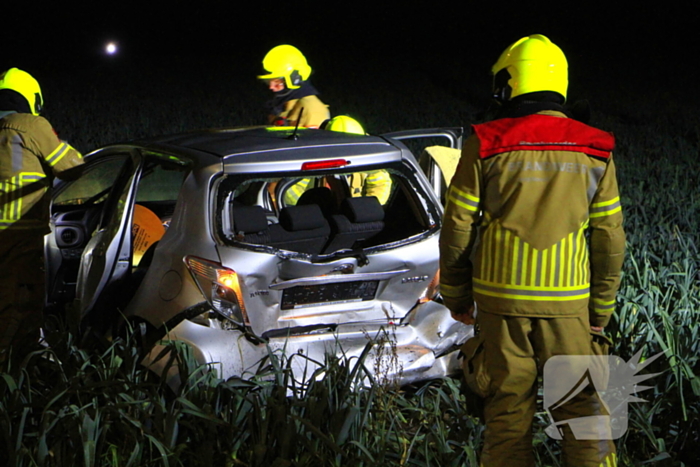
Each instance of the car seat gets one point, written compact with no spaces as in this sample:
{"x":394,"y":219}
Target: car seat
{"x":360,"y":219}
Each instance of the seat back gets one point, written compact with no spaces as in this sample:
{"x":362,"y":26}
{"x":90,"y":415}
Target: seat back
{"x":250,"y":224}
{"x":360,"y":219}
{"x":301,"y":228}
{"x":323,"y":197}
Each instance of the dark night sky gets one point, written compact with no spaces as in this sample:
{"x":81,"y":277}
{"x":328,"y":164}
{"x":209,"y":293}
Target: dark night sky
{"x":626,"y":43}
{"x":195,"y":27}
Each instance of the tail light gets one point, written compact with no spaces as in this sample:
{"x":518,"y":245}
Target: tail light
{"x":220,"y":287}
{"x":327,"y":164}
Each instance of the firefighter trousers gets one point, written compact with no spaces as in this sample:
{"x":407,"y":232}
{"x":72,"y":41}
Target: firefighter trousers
{"x":515,"y":351}
{"x":21,"y":290}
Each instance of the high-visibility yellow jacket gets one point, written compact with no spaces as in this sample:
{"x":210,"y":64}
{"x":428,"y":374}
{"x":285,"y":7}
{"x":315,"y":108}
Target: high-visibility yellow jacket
{"x":533,"y":223}
{"x":373,"y":183}
{"x":315,"y":112}
{"x":29,"y":149}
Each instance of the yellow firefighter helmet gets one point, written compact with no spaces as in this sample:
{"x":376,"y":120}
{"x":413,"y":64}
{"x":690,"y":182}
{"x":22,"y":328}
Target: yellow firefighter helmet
{"x":25,"y":84}
{"x":286,"y":61}
{"x":531,"y":64}
{"x":344,"y":124}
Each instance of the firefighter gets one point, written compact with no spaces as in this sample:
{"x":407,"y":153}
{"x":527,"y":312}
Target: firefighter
{"x":30,"y":155}
{"x":295,"y":99}
{"x":531,"y":185}
{"x":373,"y":183}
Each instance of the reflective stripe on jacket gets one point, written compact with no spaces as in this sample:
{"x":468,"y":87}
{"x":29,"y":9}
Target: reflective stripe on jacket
{"x":525,"y":194}
{"x":28,"y":149}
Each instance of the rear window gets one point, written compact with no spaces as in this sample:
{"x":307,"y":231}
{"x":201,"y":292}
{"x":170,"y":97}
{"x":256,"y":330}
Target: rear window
{"x":325,"y":213}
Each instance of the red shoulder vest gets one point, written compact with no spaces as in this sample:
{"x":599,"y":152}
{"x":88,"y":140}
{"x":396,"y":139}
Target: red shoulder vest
{"x":539,"y":132}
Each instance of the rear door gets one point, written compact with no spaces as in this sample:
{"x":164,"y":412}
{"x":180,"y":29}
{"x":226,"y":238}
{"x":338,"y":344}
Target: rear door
{"x":135,"y":216}
{"x":107,"y":255}
{"x":76,"y":210}
{"x":437,"y":150}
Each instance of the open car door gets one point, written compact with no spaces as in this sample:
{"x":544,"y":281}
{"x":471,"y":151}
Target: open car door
{"x":134,"y":218}
{"x":438,"y":151}
{"x":76,"y":210}
{"x":106,"y":258}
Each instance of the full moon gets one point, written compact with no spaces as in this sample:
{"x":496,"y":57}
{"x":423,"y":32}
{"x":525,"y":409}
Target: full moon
{"x":111,"y":48}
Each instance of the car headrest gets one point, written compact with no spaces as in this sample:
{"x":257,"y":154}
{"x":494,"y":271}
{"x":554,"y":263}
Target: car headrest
{"x":322,"y":196}
{"x":248,"y":219}
{"x":362,"y":209}
{"x":306,"y":217}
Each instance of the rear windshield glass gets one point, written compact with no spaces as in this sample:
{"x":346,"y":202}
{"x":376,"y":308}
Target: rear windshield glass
{"x":325,"y":212}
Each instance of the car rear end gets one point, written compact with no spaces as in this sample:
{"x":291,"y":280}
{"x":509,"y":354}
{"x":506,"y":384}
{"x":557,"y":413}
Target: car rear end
{"x":325,"y":244}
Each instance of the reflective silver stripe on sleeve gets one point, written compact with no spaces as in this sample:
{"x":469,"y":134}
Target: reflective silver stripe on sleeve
{"x":594,"y":176}
{"x":463,"y":199}
{"x":17,"y":153}
{"x":605,"y":208}
{"x":57,"y":154}
{"x":602,"y":306}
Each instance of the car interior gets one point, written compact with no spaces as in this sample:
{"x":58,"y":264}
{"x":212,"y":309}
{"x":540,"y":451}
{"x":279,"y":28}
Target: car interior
{"x":320,"y":215}
{"x":82,"y":206}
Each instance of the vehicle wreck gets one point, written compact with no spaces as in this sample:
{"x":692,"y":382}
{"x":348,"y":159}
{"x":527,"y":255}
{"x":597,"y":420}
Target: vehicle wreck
{"x":245,"y":241}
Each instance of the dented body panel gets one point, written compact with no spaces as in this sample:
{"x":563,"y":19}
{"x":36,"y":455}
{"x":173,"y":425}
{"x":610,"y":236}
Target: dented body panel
{"x":271,"y":242}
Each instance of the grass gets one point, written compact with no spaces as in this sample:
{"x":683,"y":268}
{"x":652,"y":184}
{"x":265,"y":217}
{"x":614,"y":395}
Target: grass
{"x":67,"y":405}
{"x":101,"y":408}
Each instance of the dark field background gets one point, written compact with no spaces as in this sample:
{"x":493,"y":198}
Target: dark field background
{"x":392,"y":67}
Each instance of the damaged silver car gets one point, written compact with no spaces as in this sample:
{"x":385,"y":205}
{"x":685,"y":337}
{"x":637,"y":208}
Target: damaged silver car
{"x":245,"y":241}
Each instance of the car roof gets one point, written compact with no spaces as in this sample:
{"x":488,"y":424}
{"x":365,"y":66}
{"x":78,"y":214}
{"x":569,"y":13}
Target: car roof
{"x":234,"y":142}
{"x":267,"y":149}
